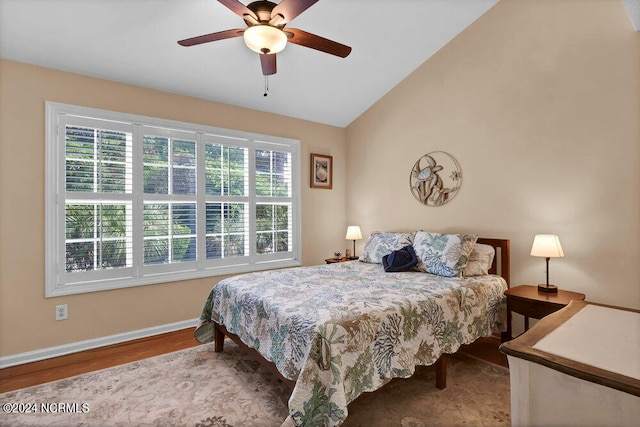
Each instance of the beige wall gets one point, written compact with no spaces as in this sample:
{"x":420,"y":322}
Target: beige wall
{"x":539,"y":101}
{"x":26,"y":317}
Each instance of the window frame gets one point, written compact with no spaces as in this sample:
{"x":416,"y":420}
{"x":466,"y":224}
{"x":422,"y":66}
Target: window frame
{"x":58,"y":282}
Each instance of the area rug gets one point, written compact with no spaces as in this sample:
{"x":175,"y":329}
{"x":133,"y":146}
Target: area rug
{"x":197,"y":387}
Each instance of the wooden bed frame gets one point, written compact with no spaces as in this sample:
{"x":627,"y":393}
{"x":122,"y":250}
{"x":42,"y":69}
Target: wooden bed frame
{"x":501,"y":265}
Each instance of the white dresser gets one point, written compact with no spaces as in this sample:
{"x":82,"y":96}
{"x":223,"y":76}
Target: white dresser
{"x":577,"y":367}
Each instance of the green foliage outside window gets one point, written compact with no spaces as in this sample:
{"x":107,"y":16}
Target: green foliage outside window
{"x":99,"y":161}
{"x":95,"y":236}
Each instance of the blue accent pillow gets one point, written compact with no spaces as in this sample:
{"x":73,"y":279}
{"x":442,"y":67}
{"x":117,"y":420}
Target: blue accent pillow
{"x":400,"y":260}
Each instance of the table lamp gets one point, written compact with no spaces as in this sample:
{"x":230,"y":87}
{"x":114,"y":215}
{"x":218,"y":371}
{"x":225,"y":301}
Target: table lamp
{"x":547,"y":246}
{"x":353,"y":233}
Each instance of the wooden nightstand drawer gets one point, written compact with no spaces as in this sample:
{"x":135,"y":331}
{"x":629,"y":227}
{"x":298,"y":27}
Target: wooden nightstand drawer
{"x":535,"y":309}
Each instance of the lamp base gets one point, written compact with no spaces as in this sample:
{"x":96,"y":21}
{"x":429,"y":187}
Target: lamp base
{"x":548,"y":288}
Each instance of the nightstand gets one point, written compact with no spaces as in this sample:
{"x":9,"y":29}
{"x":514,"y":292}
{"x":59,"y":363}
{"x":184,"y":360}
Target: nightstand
{"x":529,"y":302}
{"x":343,"y":259}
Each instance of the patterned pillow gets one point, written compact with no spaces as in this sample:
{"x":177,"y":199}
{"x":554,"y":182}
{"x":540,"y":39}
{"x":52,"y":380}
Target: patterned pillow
{"x":443,"y":254}
{"x":383,"y":243}
{"x":480,"y":260}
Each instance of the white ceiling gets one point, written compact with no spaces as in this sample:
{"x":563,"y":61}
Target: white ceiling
{"x":633,"y":10}
{"x":134,"y":41}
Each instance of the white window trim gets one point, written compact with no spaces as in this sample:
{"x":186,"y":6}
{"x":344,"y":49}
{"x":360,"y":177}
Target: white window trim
{"x":55,"y":197}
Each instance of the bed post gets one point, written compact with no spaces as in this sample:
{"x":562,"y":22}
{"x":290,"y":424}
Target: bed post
{"x":218,"y":337}
{"x":441,"y":372}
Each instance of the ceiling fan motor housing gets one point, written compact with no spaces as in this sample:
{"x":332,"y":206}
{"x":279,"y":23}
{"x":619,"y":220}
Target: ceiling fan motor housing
{"x":262,"y":9}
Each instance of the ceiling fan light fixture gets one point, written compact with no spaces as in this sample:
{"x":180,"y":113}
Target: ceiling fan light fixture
{"x":265,"y":39}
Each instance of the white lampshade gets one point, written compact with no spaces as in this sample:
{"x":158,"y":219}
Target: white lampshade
{"x":353,"y":233}
{"x":547,"y":245}
{"x":265,"y":39}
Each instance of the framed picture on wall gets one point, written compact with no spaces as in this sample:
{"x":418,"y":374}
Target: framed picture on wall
{"x":321,"y":171}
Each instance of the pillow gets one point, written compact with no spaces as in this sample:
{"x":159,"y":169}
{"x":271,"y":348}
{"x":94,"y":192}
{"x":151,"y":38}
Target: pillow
{"x":480,"y":260}
{"x":400,"y":260}
{"x":381,"y":243}
{"x":443,"y":254}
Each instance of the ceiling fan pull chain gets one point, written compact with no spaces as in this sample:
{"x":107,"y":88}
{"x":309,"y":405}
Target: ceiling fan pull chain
{"x":266,"y":85}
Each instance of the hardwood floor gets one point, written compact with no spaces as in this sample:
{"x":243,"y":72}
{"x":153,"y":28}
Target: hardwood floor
{"x":57,"y":368}
{"x":70,"y":365}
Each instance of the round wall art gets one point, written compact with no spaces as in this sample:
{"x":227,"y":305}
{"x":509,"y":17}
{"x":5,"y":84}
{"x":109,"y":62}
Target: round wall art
{"x":435,"y":178}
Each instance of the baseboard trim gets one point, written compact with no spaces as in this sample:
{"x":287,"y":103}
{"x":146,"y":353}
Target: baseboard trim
{"x":61,"y":350}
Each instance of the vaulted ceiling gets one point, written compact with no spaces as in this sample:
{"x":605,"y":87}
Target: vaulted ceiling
{"x":135,"y":42}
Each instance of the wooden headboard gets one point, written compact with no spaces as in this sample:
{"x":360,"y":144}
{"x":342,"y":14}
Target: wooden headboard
{"x":502,"y":261}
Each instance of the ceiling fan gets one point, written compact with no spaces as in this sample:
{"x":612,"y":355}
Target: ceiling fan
{"x":265,"y":33}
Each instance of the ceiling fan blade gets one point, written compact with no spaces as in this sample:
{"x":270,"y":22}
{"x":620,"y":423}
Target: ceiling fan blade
{"x":206,"y":38}
{"x":268,"y":62}
{"x":289,"y":9}
{"x":312,"y":41}
{"x":239,"y":9}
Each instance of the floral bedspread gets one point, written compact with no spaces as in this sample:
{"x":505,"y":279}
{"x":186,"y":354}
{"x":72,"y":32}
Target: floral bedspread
{"x":343,"y":329}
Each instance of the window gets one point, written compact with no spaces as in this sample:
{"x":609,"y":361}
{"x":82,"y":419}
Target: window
{"x":134,"y":200}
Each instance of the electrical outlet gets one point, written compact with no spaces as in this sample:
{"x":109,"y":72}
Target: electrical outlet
{"x":62,"y":312}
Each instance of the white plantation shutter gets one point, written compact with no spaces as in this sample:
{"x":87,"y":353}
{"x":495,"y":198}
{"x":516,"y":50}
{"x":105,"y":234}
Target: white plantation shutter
{"x":169,"y":199}
{"x":134,"y":200}
{"x":274,"y":202}
{"x":98,"y":197}
{"x":227,"y":199}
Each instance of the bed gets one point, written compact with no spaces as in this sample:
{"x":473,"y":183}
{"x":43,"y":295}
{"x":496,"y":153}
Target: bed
{"x":335,"y":331}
